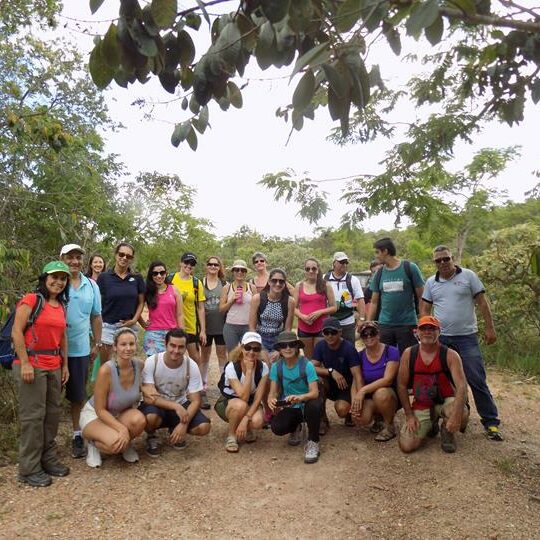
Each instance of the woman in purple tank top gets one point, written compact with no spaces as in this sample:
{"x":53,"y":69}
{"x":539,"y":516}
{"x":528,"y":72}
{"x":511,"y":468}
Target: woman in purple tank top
{"x":314,"y":302}
{"x":110,"y":419}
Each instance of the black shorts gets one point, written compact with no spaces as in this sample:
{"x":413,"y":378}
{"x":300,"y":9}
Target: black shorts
{"x":215,"y":338}
{"x":78,"y":376}
{"x":169,"y":419}
{"x":192,"y":338}
{"x":309,"y":334}
{"x":334,"y":393}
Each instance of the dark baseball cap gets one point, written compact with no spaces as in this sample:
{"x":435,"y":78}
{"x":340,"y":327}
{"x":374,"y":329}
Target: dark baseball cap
{"x":188,"y":256}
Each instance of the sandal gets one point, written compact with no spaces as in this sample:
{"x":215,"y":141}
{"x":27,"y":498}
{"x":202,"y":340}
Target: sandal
{"x":386,"y":434}
{"x":231,"y":444}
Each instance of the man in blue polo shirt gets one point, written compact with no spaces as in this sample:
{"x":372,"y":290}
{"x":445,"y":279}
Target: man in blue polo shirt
{"x":453,"y":293}
{"x":83,"y":314}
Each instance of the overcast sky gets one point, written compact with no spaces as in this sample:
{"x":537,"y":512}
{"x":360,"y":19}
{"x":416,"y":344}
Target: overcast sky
{"x":245,"y":144}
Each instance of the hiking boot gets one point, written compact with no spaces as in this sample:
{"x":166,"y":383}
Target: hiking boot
{"x":56,"y":469}
{"x":448,"y":441}
{"x":93,"y":457}
{"x":130,"y":455}
{"x":311,"y":452}
{"x":152,"y":446}
{"x":295,"y":438}
{"x":493,"y":434}
{"x":349,"y":422}
{"x":205,"y":404}
{"x":39,"y":479}
{"x":77,"y":447}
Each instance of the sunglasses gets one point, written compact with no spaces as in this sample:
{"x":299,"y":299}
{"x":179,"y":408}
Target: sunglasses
{"x":288,"y":345}
{"x":124,"y":255}
{"x":159,"y":273}
{"x":368,"y":334}
{"x":442,"y":260}
{"x":274,"y":281}
{"x":213,"y":265}
{"x":190,"y":263}
{"x":427,"y":328}
{"x":252,"y":348}
{"x":330,"y":332}
{"x":310,"y":268}
{"x":344,"y":262}
{"x":243,"y":270}
{"x":259,"y":261}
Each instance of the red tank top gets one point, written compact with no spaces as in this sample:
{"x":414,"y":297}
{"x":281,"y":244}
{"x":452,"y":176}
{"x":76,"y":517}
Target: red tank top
{"x":308,"y":303}
{"x":430,"y":383}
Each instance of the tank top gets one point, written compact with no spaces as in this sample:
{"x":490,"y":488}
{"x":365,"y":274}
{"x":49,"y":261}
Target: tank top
{"x":308,"y":303}
{"x":120,"y":399}
{"x":271,"y":321}
{"x":163,"y":316}
{"x":259,"y":289}
{"x":214,"y":319}
{"x":239,"y":313}
{"x":430,"y":384}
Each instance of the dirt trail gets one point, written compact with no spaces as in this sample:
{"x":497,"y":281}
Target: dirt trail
{"x":359,"y":488}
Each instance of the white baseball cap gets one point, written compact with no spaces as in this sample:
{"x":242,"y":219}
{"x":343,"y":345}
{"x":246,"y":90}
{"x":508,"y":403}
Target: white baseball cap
{"x":71,"y":247}
{"x":340,"y":256}
{"x":251,"y":337}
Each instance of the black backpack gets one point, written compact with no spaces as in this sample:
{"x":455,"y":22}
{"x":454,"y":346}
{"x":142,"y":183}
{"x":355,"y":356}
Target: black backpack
{"x":238,"y":369}
{"x":7,"y":353}
{"x":443,"y":355}
{"x":302,"y":375}
{"x":284,"y":301}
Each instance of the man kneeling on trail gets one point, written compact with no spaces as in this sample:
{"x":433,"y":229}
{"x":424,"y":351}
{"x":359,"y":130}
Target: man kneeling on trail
{"x":171,"y":385}
{"x":435,"y":375}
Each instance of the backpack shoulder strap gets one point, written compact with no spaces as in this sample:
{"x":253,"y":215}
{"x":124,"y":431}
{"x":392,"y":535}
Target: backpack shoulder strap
{"x":188,"y":369}
{"x":155,"y":367}
{"x":348,"y":283}
{"x":279,"y":370}
{"x":412,"y":363}
{"x":37,"y":309}
{"x":327,"y":276}
{"x":377,"y":279}
{"x":407,"y":269}
{"x":238,"y":370}
{"x":443,"y":356}
{"x":302,"y":367}
{"x":258,"y":373}
{"x":262,"y":304}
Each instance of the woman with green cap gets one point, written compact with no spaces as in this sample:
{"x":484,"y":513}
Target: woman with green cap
{"x":40,"y":369}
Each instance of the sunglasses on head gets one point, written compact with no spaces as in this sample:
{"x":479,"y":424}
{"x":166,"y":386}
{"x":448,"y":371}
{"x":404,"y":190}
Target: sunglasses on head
{"x":369,"y":333}
{"x":310,"y":268}
{"x":442,"y":260}
{"x":156,"y":273}
{"x":214,"y":265}
{"x":124,"y":255}
{"x":330,"y":332}
{"x":258,"y":261}
{"x":275,"y":281}
{"x":252,"y":348}
{"x":288,"y":345}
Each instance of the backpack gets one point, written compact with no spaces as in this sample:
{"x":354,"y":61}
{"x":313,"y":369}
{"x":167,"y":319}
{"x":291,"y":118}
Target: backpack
{"x":7,"y":353}
{"x":284,"y":301}
{"x":377,"y":280}
{"x":302,"y":368}
{"x":343,"y":311}
{"x":188,"y":365}
{"x":443,"y":356}
{"x":238,"y":370}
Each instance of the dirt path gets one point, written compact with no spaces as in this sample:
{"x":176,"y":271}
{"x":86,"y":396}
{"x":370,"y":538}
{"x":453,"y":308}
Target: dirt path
{"x":359,"y":488}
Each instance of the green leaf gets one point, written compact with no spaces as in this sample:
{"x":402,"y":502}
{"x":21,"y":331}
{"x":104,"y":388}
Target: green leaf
{"x":192,"y":139}
{"x":194,"y":106}
{"x":193,"y":20}
{"x":297,"y":119}
{"x":336,"y":81}
{"x":300,"y":15}
{"x":319,"y":53}
{"x":206,"y":17}
{"x":201,"y":123}
{"x":180,"y":133}
{"x":110,"y":48}
{"x":102,"y":74}
{"x":169,"y":81}
{"x":434,"y":32}
{"x":264,"y":48}
{"x":422,"y":15}
{"x":467,"y":6}
{"x":187,"y":48}
{"x":164,"y":12}
{"x":535,"y":91}
{"x":348,"y":14}
{"x":95,"y":5}
{"x":275,"y":10}
{"x":304,"y":91}
{"x":247,"y":30}
{"x":145,"y":44}
{"x":184,"y":104}
{"x":235,"y":95}
{"x":229,"y":43}
{"x":392,"y":36}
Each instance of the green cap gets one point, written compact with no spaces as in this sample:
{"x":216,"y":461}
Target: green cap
{"x":56,"y":266}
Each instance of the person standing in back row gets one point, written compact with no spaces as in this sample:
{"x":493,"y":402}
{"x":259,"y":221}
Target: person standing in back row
{"x":347,"y":292}
{"x":397,"y":288}
{"x":453,"y":292}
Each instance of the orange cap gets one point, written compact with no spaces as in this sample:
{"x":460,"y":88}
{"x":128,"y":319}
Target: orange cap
{"x":428,"y":320}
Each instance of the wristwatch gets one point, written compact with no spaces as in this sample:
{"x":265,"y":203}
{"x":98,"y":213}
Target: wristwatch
{"x":99,"y":345}
{"x":330,"y":370}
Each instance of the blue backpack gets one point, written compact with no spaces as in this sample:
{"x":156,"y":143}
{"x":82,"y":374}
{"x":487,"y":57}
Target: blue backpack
{"x":7,"y":354}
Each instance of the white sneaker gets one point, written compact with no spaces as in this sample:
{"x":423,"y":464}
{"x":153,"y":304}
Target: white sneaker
{"x":311,"y":452}
{"x":295,"y":438}
{"x":93,"y":457}
{"x":130,"y":455}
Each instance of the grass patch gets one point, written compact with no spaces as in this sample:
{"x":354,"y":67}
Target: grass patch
{"x":9,"y":418}
{"x":507,"y":466}
{"x":522,"y":358}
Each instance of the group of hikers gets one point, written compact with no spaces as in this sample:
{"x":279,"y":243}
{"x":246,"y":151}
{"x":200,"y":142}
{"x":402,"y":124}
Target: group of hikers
{"x":420,"y":352}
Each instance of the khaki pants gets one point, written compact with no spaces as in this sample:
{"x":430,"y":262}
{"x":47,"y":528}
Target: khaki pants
{"x":39,"y":415}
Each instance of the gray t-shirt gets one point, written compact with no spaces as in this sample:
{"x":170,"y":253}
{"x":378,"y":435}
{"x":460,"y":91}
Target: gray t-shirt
{"x":214,"y":319}
{"x":453,"y":301}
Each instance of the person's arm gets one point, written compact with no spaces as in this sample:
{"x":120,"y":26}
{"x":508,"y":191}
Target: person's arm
{"x":296,"y":296}
{"x":138,"y":311}
{"x":179,"y":309}
{"x":242,"y":390}
{"x":312,"y":393}
{"x":455,"y":366}
{"x":96,"y":323}
{"x":224,"y":302}
{"x":425,"y":308}
{"x":330,"y":300}
{"x":403,"y":393}
{"x":253,"y":310}
{"x":386,"y":380}
{"x":202,"y":323}
{"x":356,"y":393}
{"x":22,"y":314}
{"x":258,"y":397}
{"x":373,"y":306}
{"x":290,"y":314}
{"x":419,"y":291}
{"x":485,"y":309}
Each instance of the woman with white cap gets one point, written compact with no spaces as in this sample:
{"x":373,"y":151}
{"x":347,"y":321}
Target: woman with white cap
{"x":236,"y":301}
{"x":242,"y":386}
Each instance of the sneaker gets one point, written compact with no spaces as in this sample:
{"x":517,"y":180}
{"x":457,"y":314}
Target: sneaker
{"x":152,"y":446}
{"x":349,"y":422}
{"x":448,"y":441}
{"x":56,"y":469}
{"x":205,"y":404}
{"x":77,"y":447}
{"x":295,"y":438}
{"x":251,"y":436}
{"x":311,"y":452}
{"x":130,"y":455}
{"x":39,"y":479}
{"x":493,"y":434}
{"x":93,"y":457}
{"x":179,"y":445}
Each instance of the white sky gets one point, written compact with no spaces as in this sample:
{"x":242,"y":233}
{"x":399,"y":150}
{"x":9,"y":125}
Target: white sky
{"x":245,"y":144}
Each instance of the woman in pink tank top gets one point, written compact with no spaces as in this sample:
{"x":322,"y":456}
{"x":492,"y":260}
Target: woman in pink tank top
{"x":165,"y":309}
{"x":314,"y":302}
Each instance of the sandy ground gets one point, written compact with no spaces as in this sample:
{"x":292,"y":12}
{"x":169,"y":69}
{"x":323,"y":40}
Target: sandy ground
{"x":358,"y":489}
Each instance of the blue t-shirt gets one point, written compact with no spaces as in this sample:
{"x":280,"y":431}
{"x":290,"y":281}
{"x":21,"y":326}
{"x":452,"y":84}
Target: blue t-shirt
{"x":397,"y":295}
{"x":84,"y":303}
{"x":342,"y":359}
{"x":119,"y":296}
{"x":293,"y":385}
{"x":374,"y":372}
